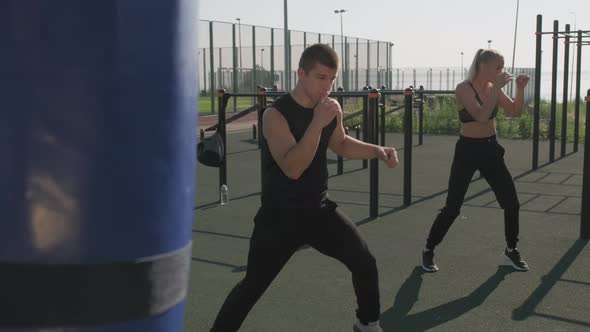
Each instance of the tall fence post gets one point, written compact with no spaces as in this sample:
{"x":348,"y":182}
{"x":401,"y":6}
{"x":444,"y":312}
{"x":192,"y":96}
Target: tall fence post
{"x":566,"y":65}
{"x":382,"y":107}
{"x":212,"y":66}
{"x":585,"y":215}
{"x":553,"y":92}
{"x":373,"y":139}
{"x":421,"y":116}
{"x":340,"y":162}
{"x":578,"y":78}
{"x":365,"y":123}
{"x":408,"y":98}
{"x":222,"y":99}
{"x":537,"y":98}
{"x":235,"y":75}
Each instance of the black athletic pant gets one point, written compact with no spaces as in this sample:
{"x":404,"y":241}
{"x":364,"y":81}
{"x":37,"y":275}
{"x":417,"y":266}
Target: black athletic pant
{"x":277,"y":235}
{"x":487,"y":156}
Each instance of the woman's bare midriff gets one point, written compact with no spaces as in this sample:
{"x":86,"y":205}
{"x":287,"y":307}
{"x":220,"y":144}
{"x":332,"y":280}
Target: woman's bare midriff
{"x":479,"y":129}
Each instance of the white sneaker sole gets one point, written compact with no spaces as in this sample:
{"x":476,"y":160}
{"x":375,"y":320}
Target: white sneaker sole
{"x":357,"y":329}
{"x":429,"y":270}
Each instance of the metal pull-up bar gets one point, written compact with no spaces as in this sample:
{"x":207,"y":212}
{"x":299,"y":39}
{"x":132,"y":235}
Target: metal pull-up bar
{"x":581,"y":38}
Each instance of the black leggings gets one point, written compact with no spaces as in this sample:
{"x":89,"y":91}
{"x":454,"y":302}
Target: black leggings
{"x":277,"y":235}
{"x":487,"y":156}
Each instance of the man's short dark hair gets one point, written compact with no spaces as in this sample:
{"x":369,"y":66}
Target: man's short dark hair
{"x":318,"y":54}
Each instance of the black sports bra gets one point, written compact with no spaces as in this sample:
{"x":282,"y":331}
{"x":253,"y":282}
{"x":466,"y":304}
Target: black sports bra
{"x":464,"y":116}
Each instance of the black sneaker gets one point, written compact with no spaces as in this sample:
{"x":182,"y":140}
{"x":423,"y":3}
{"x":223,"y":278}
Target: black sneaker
{"x":428,"y":261}
{"x":515,"y":260}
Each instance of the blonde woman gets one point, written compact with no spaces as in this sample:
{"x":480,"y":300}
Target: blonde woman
{"x":477,"y":100}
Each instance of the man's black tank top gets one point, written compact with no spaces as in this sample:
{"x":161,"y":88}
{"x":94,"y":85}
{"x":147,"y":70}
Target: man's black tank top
{"x":310,"y":190}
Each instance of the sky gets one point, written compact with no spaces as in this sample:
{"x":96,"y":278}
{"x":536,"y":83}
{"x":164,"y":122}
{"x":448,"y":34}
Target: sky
{"x":429,"y":33}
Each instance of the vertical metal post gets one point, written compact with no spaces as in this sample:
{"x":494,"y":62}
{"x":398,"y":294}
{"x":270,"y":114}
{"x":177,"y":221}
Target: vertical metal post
{"x":204,"y":72}
{"x":388,"y":62}
{"x":235,"y":85}
{"x":342,"y":56}
{"x":377,"y":66}
{"x":537,"y":94}
{"x":382,"y":120}
{"x":272,"y":57}
{"x":220,"y":81}
{"x":513,"y":47}
{"x":585,"y":215}
{"x":222,"y":98}
{"x":408,"y":98}
{"x":346,"y":65}
{"x":566,"y":58}
{"x":254,"y":69}
{"x":291,"y":75}
{"x":212,"y":66}
{"x":368,"y":64}
{"x":552,"y":121}
{"x":340,"y":162}
{"x":286,"y":39}
{"x":356,"y":68}
{"x":374,"y":169}
{"x":421,"y":116}
{"x":578,"y":79}
{"x":365,"y":123}
{"x":262,"y":101}
{"x":338,"y":77}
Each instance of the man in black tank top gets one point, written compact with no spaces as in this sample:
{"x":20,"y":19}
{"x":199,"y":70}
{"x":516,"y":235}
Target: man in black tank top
{"x":295,"y":211}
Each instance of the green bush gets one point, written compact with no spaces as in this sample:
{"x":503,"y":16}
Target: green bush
{"x":440,"y":118}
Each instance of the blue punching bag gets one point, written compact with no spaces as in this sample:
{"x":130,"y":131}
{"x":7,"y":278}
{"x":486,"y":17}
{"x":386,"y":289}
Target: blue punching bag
{"x":98,"y":105}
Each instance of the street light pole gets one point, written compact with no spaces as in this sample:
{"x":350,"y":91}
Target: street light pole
{"x":341,"y":11}
{"x":262,"y":64}
{"x":514,"y":45}
{"x":287,"y":82}
{"x":489,"y":43}
{"x":240,"y":42}
{"x":573,"y":59}
{"x":515,"y":30}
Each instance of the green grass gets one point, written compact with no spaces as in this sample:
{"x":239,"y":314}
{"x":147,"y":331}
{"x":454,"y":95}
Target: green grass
{"x":205,"y":104}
